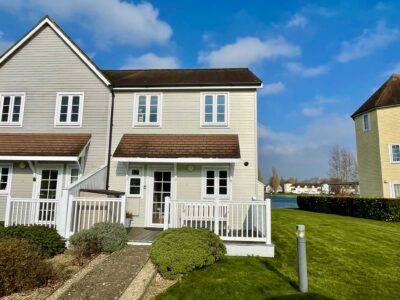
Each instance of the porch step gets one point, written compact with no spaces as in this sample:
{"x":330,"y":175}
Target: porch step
{"x":250,"y":249}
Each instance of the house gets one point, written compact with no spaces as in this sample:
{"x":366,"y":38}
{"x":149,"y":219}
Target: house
{"x":269,"y":189}
{"x":80,"y":145}
{"x":307,"y":188}
{"x":377,"y":125}
{"x":279,"y":189}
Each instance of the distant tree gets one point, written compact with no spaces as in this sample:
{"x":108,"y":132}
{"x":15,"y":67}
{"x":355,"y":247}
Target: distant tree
{"x":292,"y":180}
{"x":274,"y":180}
{"x":342,"y":165}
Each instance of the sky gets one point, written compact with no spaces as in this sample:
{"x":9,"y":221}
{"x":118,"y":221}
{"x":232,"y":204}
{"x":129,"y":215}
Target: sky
{"x":319,"y":60}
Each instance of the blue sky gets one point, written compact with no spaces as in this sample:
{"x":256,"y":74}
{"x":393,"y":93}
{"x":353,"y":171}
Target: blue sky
{"x":319,"y":60}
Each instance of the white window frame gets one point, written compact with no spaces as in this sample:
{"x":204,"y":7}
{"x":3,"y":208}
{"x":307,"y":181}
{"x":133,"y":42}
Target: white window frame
{"x":68,"y":174}
{"x":128,"y":181}
{"x":391,"y":153}
{"x":135,"y":122}
{"x":214,"y":123}
{"x":206,"y":196}
{"x":9,"y":178}
{"x":9,"y":123}
{"x":369,"y":122}
{"x":391,"y":188}
{"x":69,"y":124}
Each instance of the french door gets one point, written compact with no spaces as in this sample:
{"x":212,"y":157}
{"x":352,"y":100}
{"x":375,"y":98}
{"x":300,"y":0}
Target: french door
{"x":161,"y":187}
{"x":48,"y":188}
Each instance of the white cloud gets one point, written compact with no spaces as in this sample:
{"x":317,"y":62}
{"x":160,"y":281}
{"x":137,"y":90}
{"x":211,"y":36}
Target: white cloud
{"x":272,"y":88}
{"x":319,"y":11}
{"x":151,"y":61}
{"x":304,"y":153}
{"x":303,"y":71}
{"x":297,"y":20}
{"x":312,"y":111}
{"x":4,"y":44}
{"x":247,"y":51}
{"x":109,"y":21}
{"x":369,"y":41}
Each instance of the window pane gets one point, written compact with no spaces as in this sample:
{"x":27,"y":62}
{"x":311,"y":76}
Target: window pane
{"x":17,"y":100}
{"x":64,"y":109}
{"x":210,"y":190}
{"x":396,"y":190}
{"x":135,"y":172}
{"x":208,"y":118}
{"x":75,"y":100}
{"x":153,"y":118}
{"x":221,"y":100}
{"x":135,"y":182}
{"x":210,"y":174}
{"x":154,"y":100}
{"x":134,"y":190}
{"x":64,"y":100}
{"x":63,"y":118}
{"x":396,"y":153}
{"x":209,"y":100}
{"x":74,"y":117}
{"x":223,"y":174}
{"x":223,"y":190}
{"x":75,"y":109}
{"x":3,"y":178}
{"x":6,"y":109}
{"x":153,"y":109}
{"x":221,"y":118}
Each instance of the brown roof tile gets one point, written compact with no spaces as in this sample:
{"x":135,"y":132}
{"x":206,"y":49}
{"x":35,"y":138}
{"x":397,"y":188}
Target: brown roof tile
{"x":182,"y":77}
{"x":387,"y":95}
{"x":179,"y":146}
{"x":42,"y":144}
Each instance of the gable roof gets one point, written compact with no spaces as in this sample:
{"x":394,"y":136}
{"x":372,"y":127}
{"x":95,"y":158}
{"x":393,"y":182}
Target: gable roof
{"x":387,"y":95}
{"x":47,"y":21}
{"x":183,"y":77}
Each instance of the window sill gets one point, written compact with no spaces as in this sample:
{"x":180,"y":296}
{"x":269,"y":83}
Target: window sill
{"x":214,"y":126}
{"x":68,"y":126}
{"x":10,"y":125}
{"x":146,"y":126}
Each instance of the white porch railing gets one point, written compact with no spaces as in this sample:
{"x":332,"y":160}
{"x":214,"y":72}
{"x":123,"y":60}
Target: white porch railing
{"x":248,"y":221}
{"x":83,"y":213}
{"x":21,"y":211}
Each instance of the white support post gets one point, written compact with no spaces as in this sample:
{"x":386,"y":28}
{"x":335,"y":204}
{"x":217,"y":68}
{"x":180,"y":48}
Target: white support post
{"x":62,"y":213}
{"x":68,"y":215}
{"x":166,"y":212}
{"x":268,"y":220}
{"x":8,"y":211}
{"x":123,"y":209}
{"x":216,"y":217}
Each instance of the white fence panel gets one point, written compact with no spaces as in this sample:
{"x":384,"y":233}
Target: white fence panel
{"x":26,"y":211}
{"x":83,"y":213}
{"x":231,"y":220}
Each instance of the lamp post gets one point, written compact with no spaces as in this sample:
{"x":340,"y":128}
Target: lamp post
{"x":302,"y":258}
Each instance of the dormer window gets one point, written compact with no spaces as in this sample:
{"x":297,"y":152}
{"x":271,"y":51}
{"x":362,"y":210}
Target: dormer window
{"x":366,"y":121}
{"x":147,"y":110}
{"x":214,"y":112}
{"x":11,"y":109}
{"x":69,"y":109}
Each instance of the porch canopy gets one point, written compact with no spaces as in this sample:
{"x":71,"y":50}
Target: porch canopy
{"x":43,"y":146}
{"x":178,"y":148}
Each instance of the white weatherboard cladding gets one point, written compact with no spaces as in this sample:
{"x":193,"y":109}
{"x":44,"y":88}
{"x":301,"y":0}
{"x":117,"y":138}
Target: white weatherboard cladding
{"x":181,"y":115}
{"x":44,"y":67}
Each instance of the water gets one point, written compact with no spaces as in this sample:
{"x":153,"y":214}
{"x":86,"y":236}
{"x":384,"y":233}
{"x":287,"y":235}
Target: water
{"x":284,"y":201}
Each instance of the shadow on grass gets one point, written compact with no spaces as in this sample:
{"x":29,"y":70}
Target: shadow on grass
{"x":294,"y":285}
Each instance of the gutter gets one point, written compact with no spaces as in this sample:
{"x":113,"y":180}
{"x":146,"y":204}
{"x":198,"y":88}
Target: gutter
{"x":110,"y":138}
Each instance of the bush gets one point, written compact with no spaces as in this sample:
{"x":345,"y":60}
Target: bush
{"x":182,"y":250}
{"x":21,"y":267}
{"x":102,"y":237}
{"x":367,"y":208}
{"x":44,"y":239}
{"x":112,"y":236}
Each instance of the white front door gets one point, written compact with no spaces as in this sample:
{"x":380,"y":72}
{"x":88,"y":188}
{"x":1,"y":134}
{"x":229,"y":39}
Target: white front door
{"x":48,"y":187}
{"x":160,"y":183}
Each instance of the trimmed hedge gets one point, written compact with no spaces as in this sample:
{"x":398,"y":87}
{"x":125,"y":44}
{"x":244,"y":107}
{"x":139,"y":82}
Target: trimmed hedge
{"x":44,"y":239}
{"x":368,"y":208}
{"x":21,"y":267}
{"x":182,"y":250}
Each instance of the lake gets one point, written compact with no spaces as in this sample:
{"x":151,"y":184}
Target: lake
{"x":283,"y":201}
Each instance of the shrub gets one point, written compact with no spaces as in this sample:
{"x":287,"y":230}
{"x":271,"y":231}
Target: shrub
{"x":112,"y":236}
{"x":368,"y":208}
{"x":182,"y":250}
{"x":21,"y":267}
{"x":44,"y":239}
{"x":102,"y":237}
{"x":85,"y":243}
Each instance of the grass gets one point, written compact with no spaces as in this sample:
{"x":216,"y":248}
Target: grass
{"x":348,"y":258}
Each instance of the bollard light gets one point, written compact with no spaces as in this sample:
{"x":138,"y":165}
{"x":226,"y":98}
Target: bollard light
{"x":302,"y":258}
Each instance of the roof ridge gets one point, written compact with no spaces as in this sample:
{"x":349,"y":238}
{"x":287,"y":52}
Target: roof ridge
{"x":176,"y":69}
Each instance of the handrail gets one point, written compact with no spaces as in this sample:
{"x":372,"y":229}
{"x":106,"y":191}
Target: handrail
{"x":84,"y":178}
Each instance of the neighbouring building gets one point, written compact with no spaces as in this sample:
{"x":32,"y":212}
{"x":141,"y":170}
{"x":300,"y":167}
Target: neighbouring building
{"x":69,"y":129}
{"x":377,"y":125}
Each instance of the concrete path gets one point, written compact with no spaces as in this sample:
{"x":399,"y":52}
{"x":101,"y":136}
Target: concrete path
{"x":109,"y":279}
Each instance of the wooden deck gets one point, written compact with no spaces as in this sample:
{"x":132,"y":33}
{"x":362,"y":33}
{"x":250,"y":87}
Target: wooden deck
{"x":143,"y":235}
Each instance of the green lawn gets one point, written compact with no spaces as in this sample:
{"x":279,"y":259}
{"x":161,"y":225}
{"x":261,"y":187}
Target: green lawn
{"x":348,"y":258}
